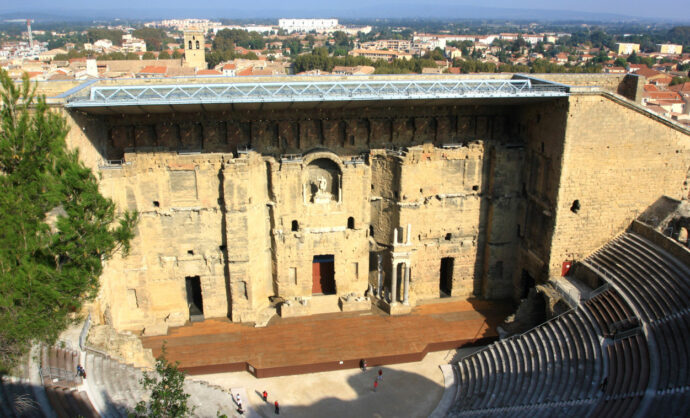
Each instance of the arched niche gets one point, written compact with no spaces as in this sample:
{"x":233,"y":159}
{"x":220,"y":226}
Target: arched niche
{"x":322,"y":180}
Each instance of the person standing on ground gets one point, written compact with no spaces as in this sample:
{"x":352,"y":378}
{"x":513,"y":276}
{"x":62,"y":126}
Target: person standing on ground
{"x":363,"y":365}
{"x":376,"y":385}
{"x":265,"y":396}
{"x":380,"y":374}
{"x":277,"y":408}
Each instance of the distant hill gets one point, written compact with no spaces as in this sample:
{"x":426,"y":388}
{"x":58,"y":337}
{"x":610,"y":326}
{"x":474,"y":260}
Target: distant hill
{"x":68,"y":10}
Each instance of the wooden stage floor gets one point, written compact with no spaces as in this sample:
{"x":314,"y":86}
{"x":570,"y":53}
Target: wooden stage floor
{"x":329,"y":341}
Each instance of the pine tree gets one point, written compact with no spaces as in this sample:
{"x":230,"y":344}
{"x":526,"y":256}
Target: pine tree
{"x":168,"y":398}
{"x":55,"y":227}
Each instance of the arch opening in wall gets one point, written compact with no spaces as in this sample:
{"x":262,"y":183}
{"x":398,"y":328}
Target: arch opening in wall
{"x":295,"y":226}
{"x":323,"y":182}
{"x":350,"y":223}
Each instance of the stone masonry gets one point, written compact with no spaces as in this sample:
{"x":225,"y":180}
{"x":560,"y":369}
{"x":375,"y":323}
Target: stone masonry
{"x":461,"y":198}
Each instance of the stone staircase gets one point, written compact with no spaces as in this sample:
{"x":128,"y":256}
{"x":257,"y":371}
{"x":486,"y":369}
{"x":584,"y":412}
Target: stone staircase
{"x":62,"y":385}
{"x":115,"y":388}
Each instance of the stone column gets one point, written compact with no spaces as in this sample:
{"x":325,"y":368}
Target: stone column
{"x":407,"y":285}
{"x":409,"y":233}
{"x":394,"y":285}
{"x":395,"y":236}
{"x":379,"y":282}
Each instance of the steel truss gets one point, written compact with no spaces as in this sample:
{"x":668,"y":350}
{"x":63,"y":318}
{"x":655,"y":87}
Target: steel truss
{"x":313,"y":92}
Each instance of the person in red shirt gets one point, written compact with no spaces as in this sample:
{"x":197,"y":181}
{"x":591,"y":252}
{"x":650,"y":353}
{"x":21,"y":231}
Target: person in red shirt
{"x":277,"y":408}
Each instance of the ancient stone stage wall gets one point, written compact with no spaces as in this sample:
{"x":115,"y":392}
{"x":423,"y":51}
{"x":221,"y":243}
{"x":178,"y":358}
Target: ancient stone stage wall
{"x":246,"y":199}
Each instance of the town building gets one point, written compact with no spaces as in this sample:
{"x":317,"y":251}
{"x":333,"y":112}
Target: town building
{"x":624,"y":48}
{"x":376,"y":54}
{"x":307,"y":25}
{"x":194,"y":49}
{"x":132,"y":44}
{"x":671,"y":49}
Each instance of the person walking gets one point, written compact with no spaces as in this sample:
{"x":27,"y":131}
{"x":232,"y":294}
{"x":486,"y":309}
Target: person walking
{"x":238,"y":400}
{"x":277,"y":411}
{"x":380,"y":374}
{"x":363,"y":365}
{"x":265,"y":396}
{"x":376,"y":385}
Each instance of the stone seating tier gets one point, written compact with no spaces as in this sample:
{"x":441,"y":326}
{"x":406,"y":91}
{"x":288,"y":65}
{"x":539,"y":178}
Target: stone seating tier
{"x":115,"y":389}
{"x":12,"y":390}
{"x":557,"y":362}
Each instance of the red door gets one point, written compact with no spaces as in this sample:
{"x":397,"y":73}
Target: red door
{"x":323,"y":275}
{"x":316,"y":276}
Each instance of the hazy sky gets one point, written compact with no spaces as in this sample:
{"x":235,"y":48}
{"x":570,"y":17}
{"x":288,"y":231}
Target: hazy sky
{"x":674,"y":9}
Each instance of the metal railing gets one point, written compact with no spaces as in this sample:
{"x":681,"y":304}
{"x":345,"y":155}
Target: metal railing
{"x":300,"y":91}
{"x":56,"y":375}
{"x":84,"y":332}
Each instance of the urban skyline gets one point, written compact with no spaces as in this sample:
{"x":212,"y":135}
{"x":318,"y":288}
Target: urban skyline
{"x":499,"y":9}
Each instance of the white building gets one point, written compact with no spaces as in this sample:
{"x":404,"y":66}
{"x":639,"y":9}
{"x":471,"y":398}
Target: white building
{"x":132,"y":44}
{"x":102,"y":44}
{"x":670,"y":49}
{"x":307,"y":25}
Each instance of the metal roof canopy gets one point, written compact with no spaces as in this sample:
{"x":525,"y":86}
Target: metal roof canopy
{"x":320,"y":91}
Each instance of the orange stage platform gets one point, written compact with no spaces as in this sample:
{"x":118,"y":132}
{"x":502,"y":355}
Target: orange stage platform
{"x":329,"y":341}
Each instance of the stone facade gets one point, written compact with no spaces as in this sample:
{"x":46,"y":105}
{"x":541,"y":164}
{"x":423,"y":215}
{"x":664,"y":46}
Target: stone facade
{"x":449,"y":199}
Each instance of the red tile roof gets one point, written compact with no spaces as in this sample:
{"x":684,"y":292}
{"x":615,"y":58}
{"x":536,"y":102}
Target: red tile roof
{"x":684,"y":87}
{"x":647,"y":72}
{"x":153,"y":69}
{"x":663,"y":95}
{"x":208,"y":72}
{"x":246,"y":71}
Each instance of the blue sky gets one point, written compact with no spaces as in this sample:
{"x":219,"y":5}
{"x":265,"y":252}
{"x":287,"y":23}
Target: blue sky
{"x":674,"y":9}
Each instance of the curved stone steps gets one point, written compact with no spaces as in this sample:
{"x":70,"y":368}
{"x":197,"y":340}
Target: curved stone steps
{"x":15,"y":389}
{"x":496,"y":387}
{"x":659,"y":271}
{"x":644,"y":281}
{"x":115,"y":387}
{"x":605,"y":269}
{"x":676,"y":270}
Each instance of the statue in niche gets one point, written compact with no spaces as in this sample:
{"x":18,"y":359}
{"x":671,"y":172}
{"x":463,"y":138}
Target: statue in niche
{"x":321,"y":195}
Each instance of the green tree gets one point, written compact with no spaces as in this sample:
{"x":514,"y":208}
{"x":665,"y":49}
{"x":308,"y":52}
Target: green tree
{"x":679,"y":80}
{"x":177,"y":54}
{"x":155,"y":38}
{"x":95,"y":34}
{"x":148,"y":55}
{"x":634,"y":58}
{"x":436,"y":54}
{"x":168,"y":398}
{"x":56,"y":227}
{"x":164,"y":55}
